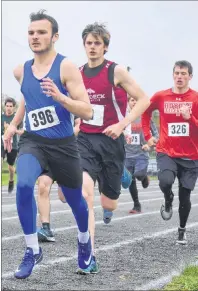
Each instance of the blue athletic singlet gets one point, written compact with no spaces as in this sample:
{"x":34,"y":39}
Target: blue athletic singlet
{"x":45,"y":116}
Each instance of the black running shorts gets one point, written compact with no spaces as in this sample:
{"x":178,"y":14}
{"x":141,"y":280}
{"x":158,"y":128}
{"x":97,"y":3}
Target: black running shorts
{"x":59,"y":157}
{"x":11,"y":157}
{"x":103,"y":158}
{"x":185,"y":170}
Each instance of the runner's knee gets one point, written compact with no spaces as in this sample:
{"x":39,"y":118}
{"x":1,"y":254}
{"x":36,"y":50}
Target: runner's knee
{"x":43,"y":189}
{"x":166,"y":178}
{"x":26,"y":178}
{"x":44,"y":185}
{"x":140,"y":175}
{"x":107,"y":203}
{"x":88,"y":189}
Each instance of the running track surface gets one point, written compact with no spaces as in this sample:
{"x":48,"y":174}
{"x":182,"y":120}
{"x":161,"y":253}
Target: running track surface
{"x":135,"y":252}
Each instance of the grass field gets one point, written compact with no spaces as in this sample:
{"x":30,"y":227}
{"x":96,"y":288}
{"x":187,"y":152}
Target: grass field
{"x":187,"y":281}
{"x":5,"y":175}
{"x":5,"y":178}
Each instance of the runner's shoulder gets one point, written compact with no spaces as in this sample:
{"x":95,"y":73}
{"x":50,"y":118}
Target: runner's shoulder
{"x":67,"y":64}
{"x":68,"y":68}
{"x":194,"y":94}
{"x":160,"y":95}
{"x":163,"y":92}
{"x":18,"y":72}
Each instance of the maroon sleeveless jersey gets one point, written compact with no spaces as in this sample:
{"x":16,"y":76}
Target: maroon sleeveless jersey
{"x":109,"y":103}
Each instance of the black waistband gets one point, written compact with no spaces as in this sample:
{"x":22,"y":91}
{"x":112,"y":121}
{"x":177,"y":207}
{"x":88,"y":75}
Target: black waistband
{"x":46,"y":140}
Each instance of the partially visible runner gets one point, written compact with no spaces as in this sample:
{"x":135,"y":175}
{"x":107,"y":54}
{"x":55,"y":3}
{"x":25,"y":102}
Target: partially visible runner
{"x":6,"y":118}
{"x":48,"y":143}
{"x":101,"y":140}
{"x":45,"y":182}
{"x":137,"y":157}
{"x":177,"y":148}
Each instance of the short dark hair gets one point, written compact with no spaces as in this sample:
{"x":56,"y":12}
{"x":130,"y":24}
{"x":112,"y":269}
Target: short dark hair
{"x":184,"y":64}
{"x":41,"y":15}
{"x":97,"y":30}
{"x":10,"y":100}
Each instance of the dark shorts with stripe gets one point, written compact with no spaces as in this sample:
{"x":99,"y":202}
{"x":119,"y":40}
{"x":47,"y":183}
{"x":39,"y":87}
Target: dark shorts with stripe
{"x":11,"y":157}
{"x":185,"y":170}
{"x":137,"y":166}
{"x":103,"y":158}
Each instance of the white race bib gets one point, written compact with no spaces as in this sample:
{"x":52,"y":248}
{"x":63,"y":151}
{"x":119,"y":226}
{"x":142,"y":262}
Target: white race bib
{"x":135,"y":139}
{"x":98,"y":115}
{"x":43,"y":118}
{"x":178,"y":129}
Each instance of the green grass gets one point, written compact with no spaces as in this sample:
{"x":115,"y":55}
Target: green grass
{"x":153,"y":178}
{"x":5,"y":175}
{"x":187,"y":281}
{"x":5,"y":179}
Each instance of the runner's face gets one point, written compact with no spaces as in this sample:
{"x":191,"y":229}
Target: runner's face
{"x":132,"y":102}
{"x":9,"y":108}
{"x":40,"y":36}
{"x":94,"y":47}
{"x":181,"y":77}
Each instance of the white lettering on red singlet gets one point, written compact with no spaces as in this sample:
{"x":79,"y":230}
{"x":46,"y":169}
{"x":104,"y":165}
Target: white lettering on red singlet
{"x":174,"y":107}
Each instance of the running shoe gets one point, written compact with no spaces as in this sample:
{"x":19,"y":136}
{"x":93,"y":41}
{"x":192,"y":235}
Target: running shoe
{"x":136,"y":209}
{"x":107,"y":215}
{"x":45,"y":235}
{"x":92,"y":269}
{"x":28,"y":262}
{"x":126,"y":178}
{"x":85,"y":257}
{"x":10,"y":186}
{"x":167,"y":208}
{"x":181,"y":236}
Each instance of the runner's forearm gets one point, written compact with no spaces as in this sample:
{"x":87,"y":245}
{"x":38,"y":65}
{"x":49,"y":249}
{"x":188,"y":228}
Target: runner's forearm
{"x":77,"y":107}
{"x":19,"y":116}
{"x":136,"y":111}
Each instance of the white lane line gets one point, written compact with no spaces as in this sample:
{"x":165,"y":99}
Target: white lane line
{"x":164,"y":280}
{"x":95,"y":207}
{"x":159,"y":283}
{"x":105,"y":248}
{"x":53,"y":193}
{"x":115,"y":219}
{"x":55,"y":201}
{"x":153,"y":184}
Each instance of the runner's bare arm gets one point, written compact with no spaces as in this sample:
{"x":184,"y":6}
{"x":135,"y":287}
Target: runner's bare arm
{"x":18,"y":74}
{"x":79,"y":103}
{"x":76,"y":126}
{"x":123,"y":78}
{"x":20,"y":113}
{"x":19,"y":131}
{"x":146,"y":120}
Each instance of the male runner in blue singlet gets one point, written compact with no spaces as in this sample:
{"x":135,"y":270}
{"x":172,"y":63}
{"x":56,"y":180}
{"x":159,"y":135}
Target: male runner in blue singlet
{"x":48,"y":143}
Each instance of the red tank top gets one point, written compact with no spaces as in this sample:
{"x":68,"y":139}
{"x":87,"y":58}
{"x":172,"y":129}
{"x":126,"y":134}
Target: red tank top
{"x":109,"y":102}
